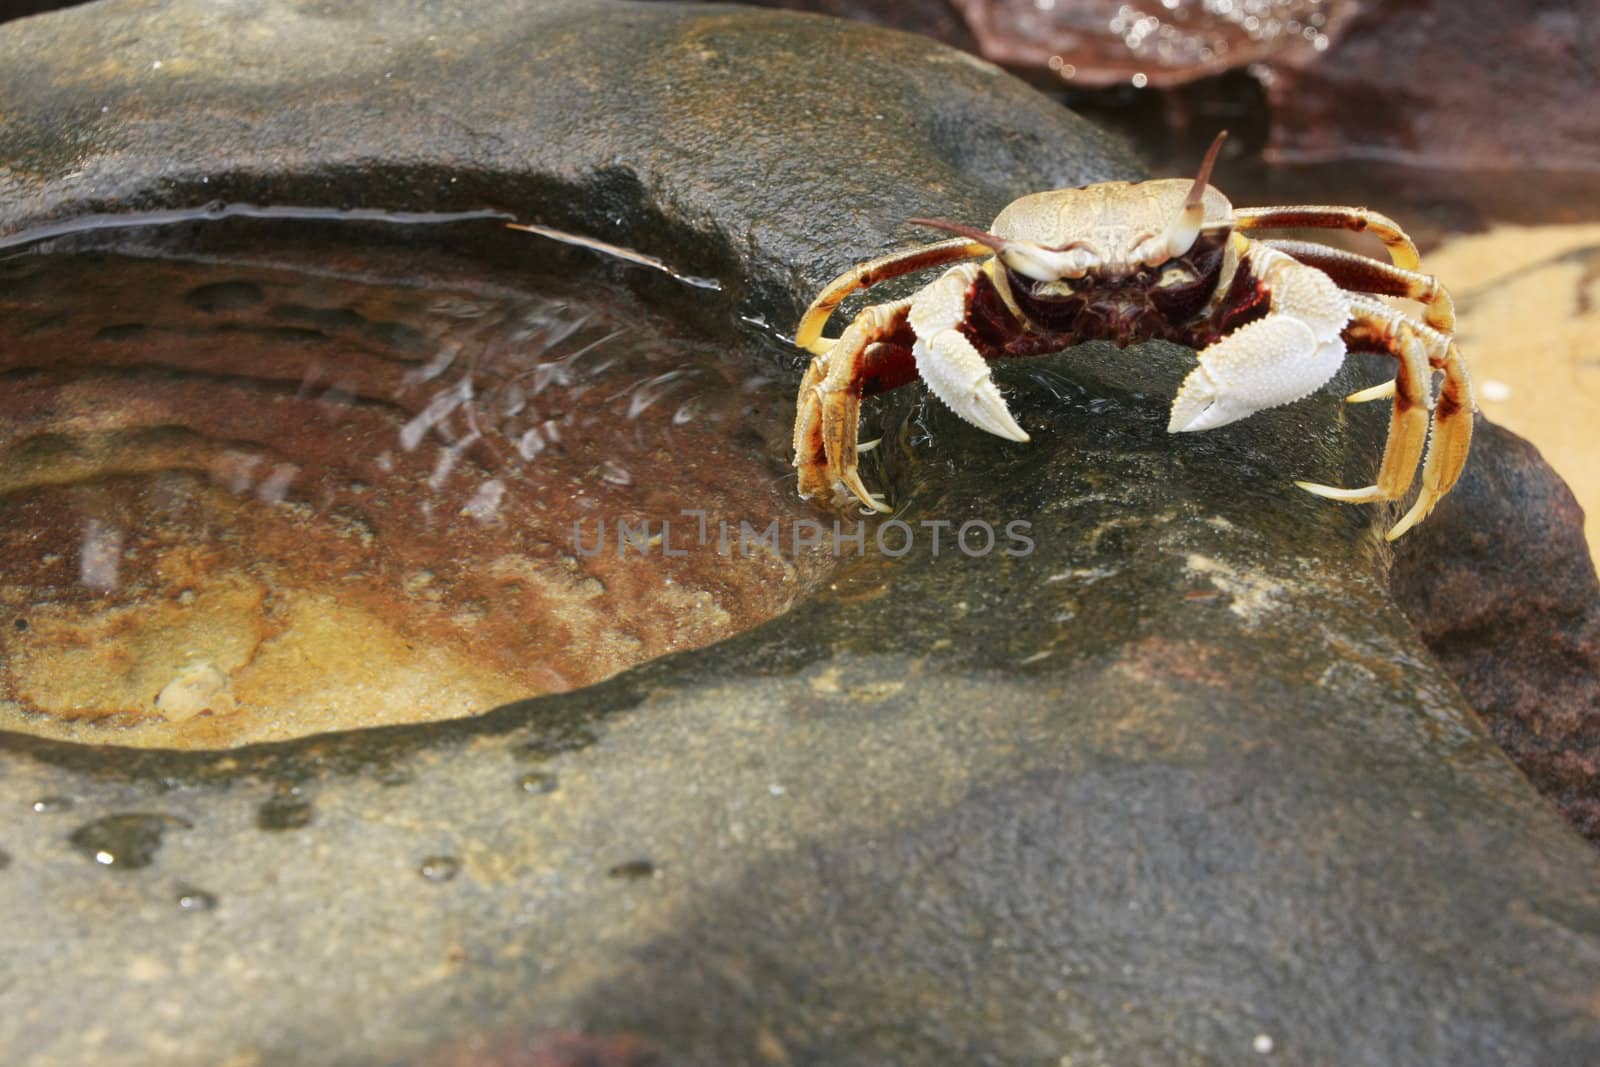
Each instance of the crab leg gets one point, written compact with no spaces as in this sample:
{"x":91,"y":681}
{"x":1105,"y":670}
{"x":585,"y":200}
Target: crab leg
{"x":1363,"y":274}
{"x":1366,"y":275}
{"x":1378,"y":329}
{"x":1420,"y":350}
{"x":871,"y":356}
{"x":1449,"y":440}
{"x":1402,"y":250}
{"x":947,"y":361}
{"x":808,"y":334}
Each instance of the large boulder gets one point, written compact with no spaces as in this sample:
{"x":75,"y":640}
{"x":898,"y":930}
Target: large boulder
{"x":1161,"y":775}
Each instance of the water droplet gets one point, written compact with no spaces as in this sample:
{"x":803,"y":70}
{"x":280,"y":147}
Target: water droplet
{"x":633,"y":870}
{"x":439,"y":868}
{"x":538,"y":782}
{"x":127,"y":841}
{"x":52,"y":804}
{"x":615,"y":473}
{"x":190,"y":899}
{"x":394,"y":776}
{"x":554,"y":741}
{"x":283,"y":813}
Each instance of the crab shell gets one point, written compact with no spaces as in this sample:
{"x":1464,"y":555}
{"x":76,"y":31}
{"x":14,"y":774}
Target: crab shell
{"x":1110,"y":220}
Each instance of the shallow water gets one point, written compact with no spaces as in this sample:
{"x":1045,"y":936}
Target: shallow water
{"x":252,"y":497}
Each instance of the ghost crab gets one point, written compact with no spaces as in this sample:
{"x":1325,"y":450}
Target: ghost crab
{"x":1271,"y":320}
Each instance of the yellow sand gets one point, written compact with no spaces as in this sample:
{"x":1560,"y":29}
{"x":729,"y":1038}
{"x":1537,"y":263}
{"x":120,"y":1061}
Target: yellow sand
{"x":1528,"y":302}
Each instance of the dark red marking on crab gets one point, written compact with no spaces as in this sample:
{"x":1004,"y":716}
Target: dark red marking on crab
{"x":1125,"y":311}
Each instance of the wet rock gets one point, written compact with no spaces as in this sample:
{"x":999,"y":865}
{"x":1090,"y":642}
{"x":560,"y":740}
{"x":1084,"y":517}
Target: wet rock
{"x":1526,"y":105}
{"x":560,"y":135}
{"x":1536,"y":68}
{"x":1158,"y":773}
{"x":553,"y":1050}
{"x":16,"y":9}
{"x":1503,"y":591}
{"x":126,"y":842}
{"x":1316,"y":86}
{"x":1109,"y":42}
{"x":1099,"y":43}
{"x":937,"y":19}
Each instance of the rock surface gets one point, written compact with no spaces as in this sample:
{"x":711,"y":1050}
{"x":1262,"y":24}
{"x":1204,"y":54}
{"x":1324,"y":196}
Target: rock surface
{"x":1504,"y":592}
{"x":1170,"y":781}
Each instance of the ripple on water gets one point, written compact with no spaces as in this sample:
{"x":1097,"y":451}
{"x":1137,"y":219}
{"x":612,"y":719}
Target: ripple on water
{"x":221,"y":482}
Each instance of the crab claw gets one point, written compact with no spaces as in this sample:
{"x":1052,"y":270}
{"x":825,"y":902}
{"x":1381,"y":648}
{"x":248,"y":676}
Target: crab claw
{"x":1202,"y":405}
{"x":956,"y":374}
{"x":1275,"y":360}
{"x":947,"y":362}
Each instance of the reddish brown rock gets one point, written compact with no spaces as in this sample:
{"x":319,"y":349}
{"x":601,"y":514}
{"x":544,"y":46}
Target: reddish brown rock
{"x":1474,"y":86}
{"x":1501,"y":586}
{"x":1109,"y":42}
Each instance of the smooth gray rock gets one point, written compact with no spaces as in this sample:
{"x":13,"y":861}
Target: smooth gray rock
{"x":1178,"y":785}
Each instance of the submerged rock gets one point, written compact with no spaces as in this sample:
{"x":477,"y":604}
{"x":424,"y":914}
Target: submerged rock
{"x":1139,"y":762}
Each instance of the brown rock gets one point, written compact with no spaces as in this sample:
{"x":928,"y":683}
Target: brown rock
{"x":1108,"y":42}
{"x":1500,"y":584}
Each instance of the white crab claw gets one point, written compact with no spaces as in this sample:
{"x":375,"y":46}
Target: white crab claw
{"x":1272,"y":361}
{"x":1200,"y":405}
{"x":954,"y":370}
{"x":956,"y":374}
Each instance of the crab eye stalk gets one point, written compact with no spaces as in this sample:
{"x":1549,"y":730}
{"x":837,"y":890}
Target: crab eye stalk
{"x":971,"y":233}
{"x":1180,"y":235}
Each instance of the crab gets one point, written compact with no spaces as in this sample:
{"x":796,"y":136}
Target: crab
{"x":1271,"y":321}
